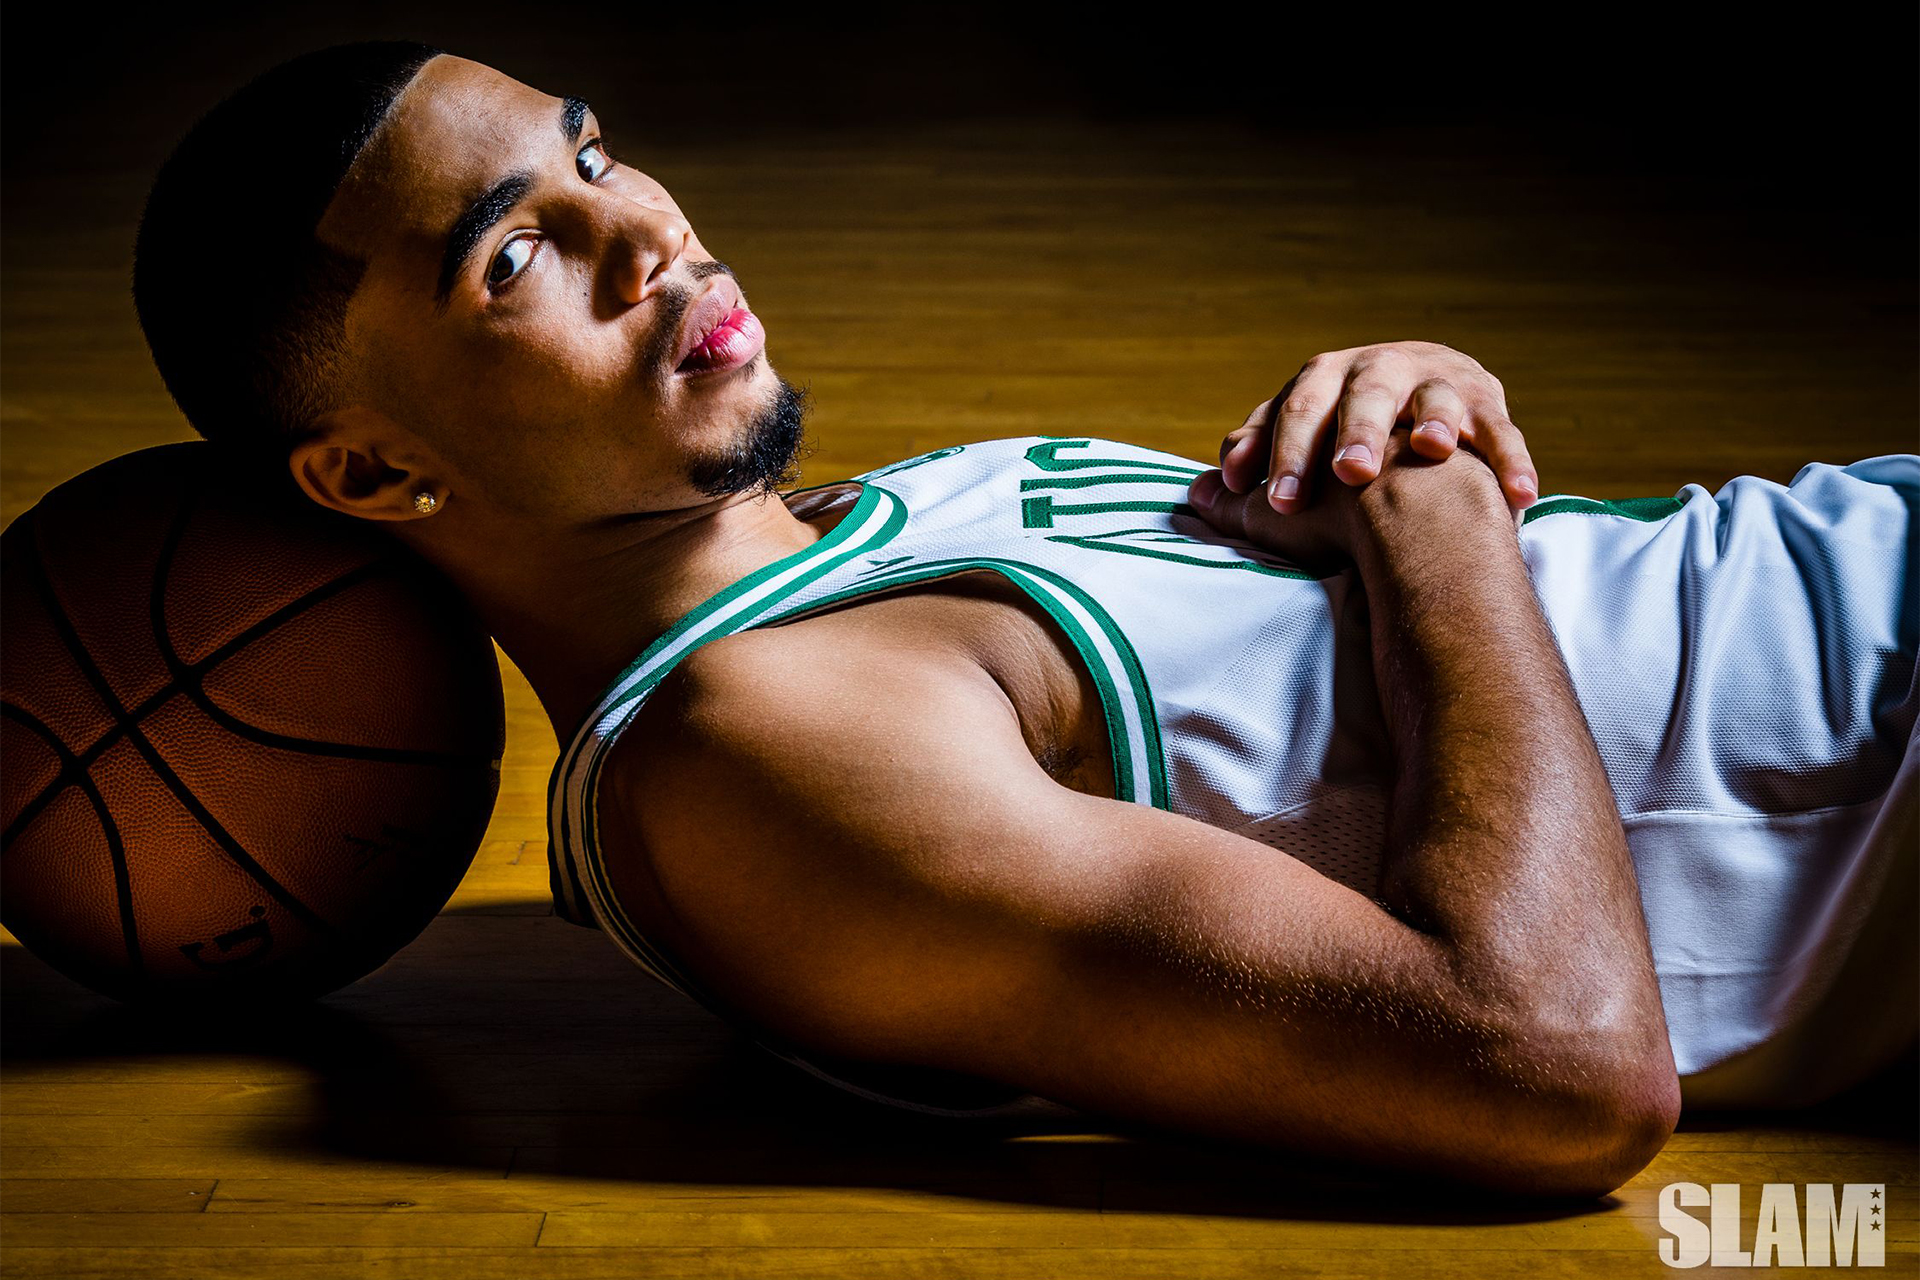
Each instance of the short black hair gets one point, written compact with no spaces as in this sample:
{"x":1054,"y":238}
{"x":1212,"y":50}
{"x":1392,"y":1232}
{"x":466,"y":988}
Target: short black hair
{"x":242,"y":305}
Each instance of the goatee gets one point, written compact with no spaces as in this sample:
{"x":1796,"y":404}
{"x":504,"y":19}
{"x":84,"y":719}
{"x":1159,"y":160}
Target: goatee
{"x":766,"y":456}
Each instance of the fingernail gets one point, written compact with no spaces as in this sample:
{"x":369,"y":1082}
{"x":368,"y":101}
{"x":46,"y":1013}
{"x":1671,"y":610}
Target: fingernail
{"x":1285,"y":488}
{"x":1357,"y":452}
{"x":1526,"y":486}
{"x":1438,"y":430}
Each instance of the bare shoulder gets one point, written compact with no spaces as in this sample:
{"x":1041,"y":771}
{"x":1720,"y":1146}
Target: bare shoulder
{"x":785,"y":806}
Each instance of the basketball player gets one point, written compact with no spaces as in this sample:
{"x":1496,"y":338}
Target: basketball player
{"x":1061,"y":766}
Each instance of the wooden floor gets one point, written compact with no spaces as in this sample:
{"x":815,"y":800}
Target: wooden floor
{"x":508,"y":1098}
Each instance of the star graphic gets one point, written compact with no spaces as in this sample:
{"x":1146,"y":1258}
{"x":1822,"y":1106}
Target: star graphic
{"x":1876,"y":1208}
{"x":1876,"y":1195}
{"x":1876,"y":1226}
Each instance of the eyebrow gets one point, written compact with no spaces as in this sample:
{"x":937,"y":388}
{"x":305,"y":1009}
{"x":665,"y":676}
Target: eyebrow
{"x":494,"y":204}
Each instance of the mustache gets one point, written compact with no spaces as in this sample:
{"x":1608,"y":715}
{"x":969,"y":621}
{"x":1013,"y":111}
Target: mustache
{"x":675,"y":300}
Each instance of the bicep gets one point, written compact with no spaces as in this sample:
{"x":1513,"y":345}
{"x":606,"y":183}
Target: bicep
{"x":878,"y":868}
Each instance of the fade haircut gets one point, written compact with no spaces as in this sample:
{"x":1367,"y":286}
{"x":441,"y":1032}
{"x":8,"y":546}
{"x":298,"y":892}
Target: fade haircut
{"x":242,"y":305}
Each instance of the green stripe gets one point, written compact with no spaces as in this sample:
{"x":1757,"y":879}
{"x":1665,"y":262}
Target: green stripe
{"x":1118,"y":743}
{"x":629,"y":703}
{"x":895,"y":522}
{"x":841,"y":531}
{"x":1136,"y":673}
{"x":827,"y":551}
{"x":1129,"y":659}
{"x":1102,"y":542}
{"x":1645,"y":509}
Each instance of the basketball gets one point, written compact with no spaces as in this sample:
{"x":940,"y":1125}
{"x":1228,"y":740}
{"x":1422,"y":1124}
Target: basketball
{"x":251,"y":745}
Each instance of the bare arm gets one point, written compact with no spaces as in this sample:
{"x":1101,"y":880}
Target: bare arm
{"x":857,"y":849}
{"x":1504,"y":840}
{"x":1504,"y":837}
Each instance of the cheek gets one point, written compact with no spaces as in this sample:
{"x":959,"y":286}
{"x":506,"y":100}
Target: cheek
{"x":553,"y":356}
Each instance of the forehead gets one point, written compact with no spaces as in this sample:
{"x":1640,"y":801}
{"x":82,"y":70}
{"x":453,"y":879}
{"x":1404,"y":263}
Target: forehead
{"x":457,"y":127}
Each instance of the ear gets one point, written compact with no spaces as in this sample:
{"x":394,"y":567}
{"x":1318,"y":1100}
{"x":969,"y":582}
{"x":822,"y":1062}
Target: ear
{"x":358,"y":461}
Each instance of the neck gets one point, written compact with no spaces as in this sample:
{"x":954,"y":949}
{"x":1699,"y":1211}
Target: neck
{"x":572,"y":606}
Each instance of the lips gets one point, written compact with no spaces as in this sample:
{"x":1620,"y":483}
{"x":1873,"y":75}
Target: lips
{"x":711,"y":312}
{"x":735,"y":343}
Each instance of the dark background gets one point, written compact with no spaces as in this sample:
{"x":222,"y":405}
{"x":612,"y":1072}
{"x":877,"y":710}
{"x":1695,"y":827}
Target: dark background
{"x":1808,"y":114}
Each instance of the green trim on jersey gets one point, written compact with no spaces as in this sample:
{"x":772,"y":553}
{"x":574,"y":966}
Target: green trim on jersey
{"x":1644,"y":509}
{"x":915,"y":461}
{"x":627,"y":702}
{"x":620,"y":696}
{"x":1139,"y":760}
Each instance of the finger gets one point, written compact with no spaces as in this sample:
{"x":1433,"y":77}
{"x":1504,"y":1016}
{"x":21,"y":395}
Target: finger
{"x":1367,"y":414}
{"x":1301,"y":425}
{"x":1308,"y":538}
{"x":1218,"y":505}
{"x":1246,"y":445}
{"x":1438,"y":412}
{"x":1498,"y":441}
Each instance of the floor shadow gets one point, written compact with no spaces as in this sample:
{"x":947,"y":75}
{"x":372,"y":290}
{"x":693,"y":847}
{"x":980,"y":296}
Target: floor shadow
{"x":1886,"y":1105}
{"x":524,"y":1044}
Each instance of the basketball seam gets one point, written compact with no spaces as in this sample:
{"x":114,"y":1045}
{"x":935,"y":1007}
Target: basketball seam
{"x":116,"y":850}
{"x":84,"y":759}
{"x":63,"y":626}
{"x":188,"y":677}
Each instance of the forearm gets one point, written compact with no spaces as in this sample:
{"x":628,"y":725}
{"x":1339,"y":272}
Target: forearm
{"x":1504,"y":841}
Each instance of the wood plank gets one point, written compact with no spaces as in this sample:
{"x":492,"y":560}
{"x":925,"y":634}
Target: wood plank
{"x":652,"y":1126}
{"x":452,"y":1193}
{"x":1066,"y":1229}
{"x":848,"y":1263}
{"x":1639,"y":1198}
{"x":197,"y":1163}
{"x":145,"y":1231}
{"x":105,"y":1195}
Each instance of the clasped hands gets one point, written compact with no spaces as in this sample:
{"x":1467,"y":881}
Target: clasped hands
{"x":1383,"y":412}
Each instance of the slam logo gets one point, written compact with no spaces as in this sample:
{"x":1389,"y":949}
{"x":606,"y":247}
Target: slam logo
{"x":1844,"y":1231}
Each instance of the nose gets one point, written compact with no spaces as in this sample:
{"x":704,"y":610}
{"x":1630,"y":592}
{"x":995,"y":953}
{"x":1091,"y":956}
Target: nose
{"x":643,"y":244}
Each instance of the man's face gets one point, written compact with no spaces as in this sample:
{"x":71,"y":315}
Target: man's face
{"x":527,"y":331}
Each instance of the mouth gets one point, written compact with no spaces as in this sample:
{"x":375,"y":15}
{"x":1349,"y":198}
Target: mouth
{"x":719,"y":335}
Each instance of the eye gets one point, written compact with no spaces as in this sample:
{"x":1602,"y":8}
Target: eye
{"x":582,"y":163}
{"x":524,"y":247}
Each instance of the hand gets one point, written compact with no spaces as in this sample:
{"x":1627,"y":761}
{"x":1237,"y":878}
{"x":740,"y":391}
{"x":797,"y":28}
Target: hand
{"x":1444,"y":394}
{"x":1325,"y":538}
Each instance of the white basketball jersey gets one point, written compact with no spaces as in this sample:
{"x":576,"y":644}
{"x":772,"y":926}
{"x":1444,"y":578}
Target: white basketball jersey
{"x":1745,"y":661}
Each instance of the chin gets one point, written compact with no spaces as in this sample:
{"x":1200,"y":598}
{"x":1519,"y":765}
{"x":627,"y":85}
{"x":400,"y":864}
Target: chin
{"x":759,"y":441}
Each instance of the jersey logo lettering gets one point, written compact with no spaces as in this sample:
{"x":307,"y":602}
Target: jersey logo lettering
{"x":1226,"y":554}
{"x":1047,"y":458}
{"x":1043,"y":510}
{"x":1040,"y":511}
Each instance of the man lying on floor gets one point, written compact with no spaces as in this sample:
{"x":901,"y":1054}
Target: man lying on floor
{"x":970,"y":778}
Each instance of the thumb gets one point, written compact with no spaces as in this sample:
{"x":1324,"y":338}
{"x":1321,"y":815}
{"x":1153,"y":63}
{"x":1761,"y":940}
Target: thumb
{"x":1216,"y":504}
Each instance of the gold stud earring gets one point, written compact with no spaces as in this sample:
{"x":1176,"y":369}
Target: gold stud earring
{"x":425,"y":503}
